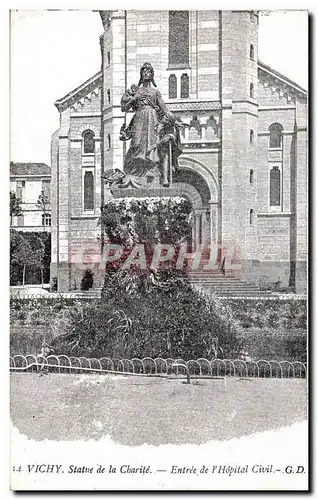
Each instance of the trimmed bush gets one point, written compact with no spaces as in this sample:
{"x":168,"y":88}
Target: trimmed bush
{"x":87,"y":280}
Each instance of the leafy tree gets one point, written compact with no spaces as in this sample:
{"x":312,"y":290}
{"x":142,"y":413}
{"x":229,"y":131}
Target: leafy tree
{"x":40,"y":244}
{"x":15,"y":206}
{"x":15,"y":241}
{"x":39,"y":256}
{"x":24,"y":255}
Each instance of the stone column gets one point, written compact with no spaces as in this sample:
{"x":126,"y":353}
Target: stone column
{"x":198,"y":222}
{"x":187,"y":120}
{"x":63,"y":205}
{"x":203,"y":120}
{"x":301,"y":186}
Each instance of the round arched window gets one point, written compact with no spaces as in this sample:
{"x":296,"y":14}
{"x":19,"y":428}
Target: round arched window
{"x":275,"y":135}
{"x":89,"y":143}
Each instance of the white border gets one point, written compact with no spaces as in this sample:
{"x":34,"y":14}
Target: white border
{"x":4,"y":46}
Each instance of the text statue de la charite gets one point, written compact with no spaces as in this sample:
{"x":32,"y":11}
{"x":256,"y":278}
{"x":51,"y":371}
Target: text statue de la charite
{"x":154,"y":134}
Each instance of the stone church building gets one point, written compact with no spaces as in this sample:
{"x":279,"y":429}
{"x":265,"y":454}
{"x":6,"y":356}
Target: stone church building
{"x":244,"y":160}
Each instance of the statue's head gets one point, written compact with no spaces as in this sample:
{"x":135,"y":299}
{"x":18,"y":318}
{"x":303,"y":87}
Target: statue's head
{"x":147,"y":74}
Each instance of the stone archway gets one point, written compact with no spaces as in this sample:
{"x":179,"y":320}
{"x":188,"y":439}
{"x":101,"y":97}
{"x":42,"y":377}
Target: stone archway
{"x":199,"y":185}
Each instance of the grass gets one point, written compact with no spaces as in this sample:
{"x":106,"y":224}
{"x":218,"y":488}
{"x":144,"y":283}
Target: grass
{"x":135,"y":410}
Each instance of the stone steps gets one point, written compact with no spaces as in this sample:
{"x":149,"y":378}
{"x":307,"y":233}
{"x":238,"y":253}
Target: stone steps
{"x":217,"y":284}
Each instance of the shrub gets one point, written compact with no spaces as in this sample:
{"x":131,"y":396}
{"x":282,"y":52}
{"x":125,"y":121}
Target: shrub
{"x":278,"y":313}
{"x":273,"y":345}
{"x":87,"y":280}
{"x":35,"y":319}
{"x":166,"y":318}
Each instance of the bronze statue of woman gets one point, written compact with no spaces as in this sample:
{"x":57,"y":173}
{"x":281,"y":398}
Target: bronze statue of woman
{"x":149,"y":108}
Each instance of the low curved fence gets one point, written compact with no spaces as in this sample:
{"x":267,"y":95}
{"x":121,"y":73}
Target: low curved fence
{"x":196,"y":368}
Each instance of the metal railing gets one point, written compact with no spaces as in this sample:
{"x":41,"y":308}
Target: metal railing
{"x":159,"y":367}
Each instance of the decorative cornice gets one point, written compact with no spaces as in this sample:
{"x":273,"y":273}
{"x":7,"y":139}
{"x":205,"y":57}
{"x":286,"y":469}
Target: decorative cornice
{"x":282,"y":78}
{"x":75,"y":99}
{"x":279,"y":89}
{"x":194,"y":106}
{"x":280,"y":85}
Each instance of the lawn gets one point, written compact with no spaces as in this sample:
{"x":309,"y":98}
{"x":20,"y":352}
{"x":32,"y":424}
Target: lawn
{"x":135,"y":410}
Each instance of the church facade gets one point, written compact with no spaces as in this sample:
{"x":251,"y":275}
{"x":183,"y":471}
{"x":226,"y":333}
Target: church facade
{"x":244,"y":160}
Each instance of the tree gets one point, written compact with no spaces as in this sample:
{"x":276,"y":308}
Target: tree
{"x":15,"y":206}
{"x":15,"y":241}
{"x":24,"y":255}
{"x":43,"y":204}
{"x":39,"y":255}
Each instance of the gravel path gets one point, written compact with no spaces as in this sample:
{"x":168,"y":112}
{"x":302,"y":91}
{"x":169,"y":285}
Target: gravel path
{"x":135,"y":410}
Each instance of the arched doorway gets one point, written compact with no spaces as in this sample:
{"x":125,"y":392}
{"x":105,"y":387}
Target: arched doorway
{"x":195,"y":181}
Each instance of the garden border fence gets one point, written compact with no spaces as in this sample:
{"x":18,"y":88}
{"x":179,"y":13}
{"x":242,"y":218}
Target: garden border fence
{"x":159,"y":367}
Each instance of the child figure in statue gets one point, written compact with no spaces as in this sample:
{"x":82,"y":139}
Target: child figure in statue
{"x":126,"y":131}
{"x":169,"y":132}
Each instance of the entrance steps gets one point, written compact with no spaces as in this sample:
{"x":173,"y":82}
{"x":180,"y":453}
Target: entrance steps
{"x":213,"y":282}
{"x":225,"y":285}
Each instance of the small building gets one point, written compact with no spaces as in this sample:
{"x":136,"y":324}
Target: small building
{"x":27,"y":181}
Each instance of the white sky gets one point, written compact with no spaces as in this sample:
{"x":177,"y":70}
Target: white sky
{"x":52,"y":52}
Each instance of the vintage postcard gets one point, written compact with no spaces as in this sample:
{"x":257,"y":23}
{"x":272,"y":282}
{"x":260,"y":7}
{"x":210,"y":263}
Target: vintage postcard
{"x":158,"y":250}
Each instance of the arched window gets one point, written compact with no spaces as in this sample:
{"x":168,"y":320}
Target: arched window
{"x":172,"y":87}
{"x":108,"y":58}
{"x":89,"y":143}
{"x":184,"y":86}
{"x":251,"y":217}
{"x":252,"y":91}
{"x":195,"y":130}
{"x":275,"y":135}
{"x":178,"y":37}
{"x":252,"y":16}
{"x":251,"y":176}
{"x":211,"y":129}
{"x":274,"y":187}
{"x":109,"y":141}
{"x":251,"y":136}
{"x":108,"y":96}
{"x":88,"y":190}
{"x":252,"y":55}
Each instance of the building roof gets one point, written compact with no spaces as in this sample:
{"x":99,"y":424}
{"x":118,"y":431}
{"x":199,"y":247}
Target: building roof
{"x":81,"y":91}
{"x":18,"y":169}
{"x":279,"y":76}
{"x":96,"y":81}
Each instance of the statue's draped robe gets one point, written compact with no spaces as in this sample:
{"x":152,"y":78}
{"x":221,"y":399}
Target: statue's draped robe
{"x":142,"y":154}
